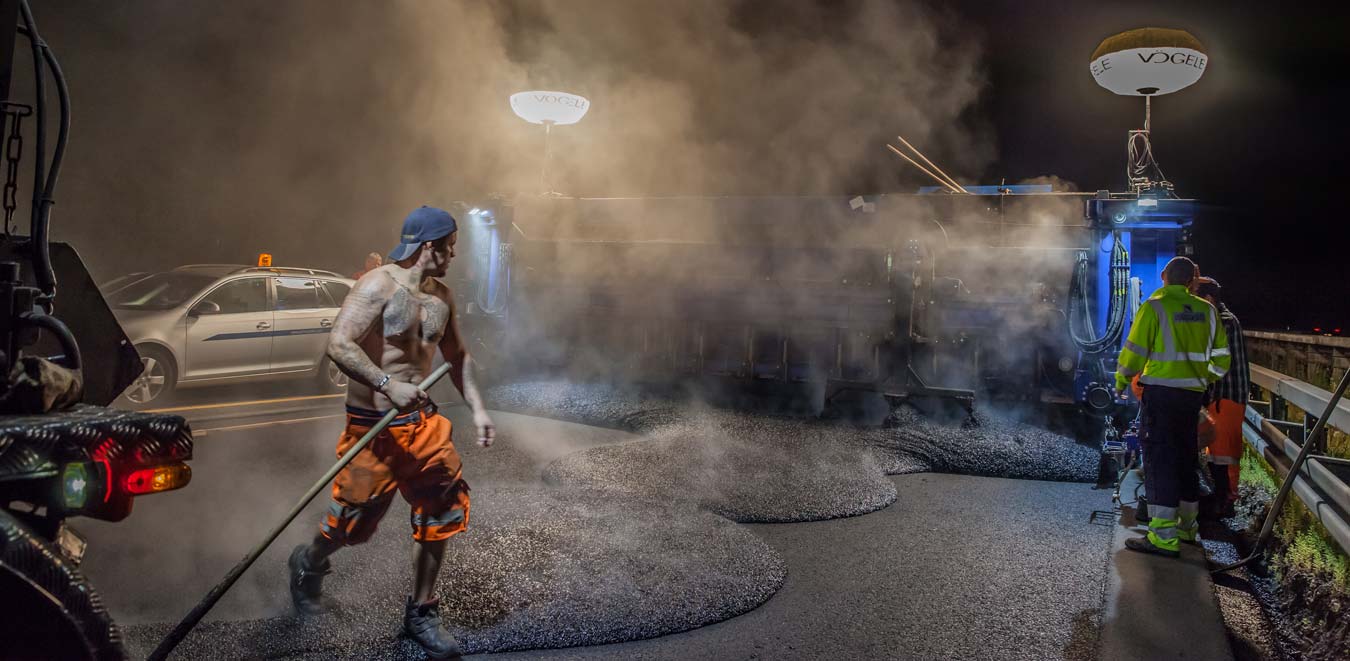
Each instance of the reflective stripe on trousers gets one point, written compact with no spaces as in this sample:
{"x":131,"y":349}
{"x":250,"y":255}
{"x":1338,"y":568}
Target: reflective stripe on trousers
{"x":450,"y":516}
{"x":1162,"y":528}
{"x":1170,"y":525}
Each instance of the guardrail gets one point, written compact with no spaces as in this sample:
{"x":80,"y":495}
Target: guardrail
{"x":1313,"y":359}
{"x":1322,"y":483}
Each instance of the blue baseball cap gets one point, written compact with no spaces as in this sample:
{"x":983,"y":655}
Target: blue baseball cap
{"x":422,"y":225}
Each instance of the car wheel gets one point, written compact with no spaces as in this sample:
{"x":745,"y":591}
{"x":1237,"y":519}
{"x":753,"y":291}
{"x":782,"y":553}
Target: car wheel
{"x":331,"y":379}
{"x":49,"y":610}
{"x":158,"y":377}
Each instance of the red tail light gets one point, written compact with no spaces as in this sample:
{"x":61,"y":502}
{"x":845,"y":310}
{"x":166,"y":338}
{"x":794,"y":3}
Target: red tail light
{"x":156,"y":479}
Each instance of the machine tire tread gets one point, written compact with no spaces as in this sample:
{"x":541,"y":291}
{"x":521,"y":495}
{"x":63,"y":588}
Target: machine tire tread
{"x":25,"y":554}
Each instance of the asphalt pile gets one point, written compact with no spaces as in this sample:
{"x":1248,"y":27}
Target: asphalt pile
{"x":747,"y":468}
{"x":539,"y":567}
{"x":626,"y":536}
{"x":752,"y":467}
{"x":601,"y":405}
{"x":987,"y":444}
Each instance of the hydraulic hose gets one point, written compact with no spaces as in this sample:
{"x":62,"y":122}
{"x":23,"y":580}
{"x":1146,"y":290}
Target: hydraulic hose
{"x":40,"y":103}
{"x":63,"y":335}
{"x":1085,"y":337}
{"x":190,"y":621}
{"x":45,"y":273}
{"x":44,"y":187}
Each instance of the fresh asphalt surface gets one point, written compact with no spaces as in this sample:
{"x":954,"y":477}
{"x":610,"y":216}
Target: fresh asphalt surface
{"x":957,"y":567}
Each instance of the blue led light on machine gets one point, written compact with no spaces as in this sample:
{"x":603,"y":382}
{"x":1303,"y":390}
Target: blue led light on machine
{"x":491,"y":259}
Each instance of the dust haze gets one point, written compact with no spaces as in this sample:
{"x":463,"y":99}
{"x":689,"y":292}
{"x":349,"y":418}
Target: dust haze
{"x":208,"y":132}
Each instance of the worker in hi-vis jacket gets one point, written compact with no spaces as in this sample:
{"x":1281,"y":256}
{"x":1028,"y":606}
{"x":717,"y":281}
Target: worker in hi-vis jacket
{"x":1178,"y":347}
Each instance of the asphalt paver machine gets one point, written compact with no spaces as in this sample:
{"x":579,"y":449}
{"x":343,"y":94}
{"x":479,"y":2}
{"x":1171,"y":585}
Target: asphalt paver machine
{"x":1013,"y":293}
{"x":63,"y":452}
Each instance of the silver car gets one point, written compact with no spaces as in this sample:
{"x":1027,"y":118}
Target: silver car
{"x":209,"y":324}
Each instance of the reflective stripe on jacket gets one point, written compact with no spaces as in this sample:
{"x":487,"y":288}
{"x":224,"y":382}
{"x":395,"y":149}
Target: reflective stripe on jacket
{"x":1176,"y":341}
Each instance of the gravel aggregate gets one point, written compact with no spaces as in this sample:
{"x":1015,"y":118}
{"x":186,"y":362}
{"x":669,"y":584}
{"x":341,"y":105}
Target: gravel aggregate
{"x":746,"y":468}
{"x":537,"y":570}
{"x":602,"y":405}
{"x":756,"y":468}
{"x":539,"y":567}
{"x":626,"y":537}
{"x":989,"y":445}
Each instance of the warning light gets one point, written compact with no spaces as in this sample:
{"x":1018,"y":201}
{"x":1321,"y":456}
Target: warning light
{"x":75,"y":484}
{"x":264,"y":259}
{"x":159,"y":478}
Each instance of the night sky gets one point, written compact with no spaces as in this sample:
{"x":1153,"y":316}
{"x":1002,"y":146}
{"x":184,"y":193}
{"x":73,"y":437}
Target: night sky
{"x":1259,"y":142}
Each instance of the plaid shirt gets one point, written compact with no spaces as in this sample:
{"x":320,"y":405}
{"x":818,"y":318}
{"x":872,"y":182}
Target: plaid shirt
{"x":1234,"y":385}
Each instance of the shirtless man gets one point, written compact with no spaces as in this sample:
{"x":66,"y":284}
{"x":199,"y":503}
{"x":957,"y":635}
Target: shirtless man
{"x":385,"y":338}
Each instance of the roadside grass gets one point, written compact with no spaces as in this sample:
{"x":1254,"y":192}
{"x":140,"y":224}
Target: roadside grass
{"x":1302,"y":542}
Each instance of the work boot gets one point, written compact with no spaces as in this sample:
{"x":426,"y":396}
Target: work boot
{"x":1222,"y":486}
{"x":306,"y":581}
{"x":1191,"y":536}
{"x":1142,"y":545}
{"x":423,"y":624}
{"x":1141,"y":511}
{"x":1188,"y":529}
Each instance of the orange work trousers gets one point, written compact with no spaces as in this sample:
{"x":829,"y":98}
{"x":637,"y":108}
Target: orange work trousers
{"x":414,"y":456}
{"x":1226,"y":450}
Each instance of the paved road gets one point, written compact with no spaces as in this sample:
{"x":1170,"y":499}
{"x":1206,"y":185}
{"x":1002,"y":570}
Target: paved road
{"x":257,"y":407}
{"x":959,"y":567}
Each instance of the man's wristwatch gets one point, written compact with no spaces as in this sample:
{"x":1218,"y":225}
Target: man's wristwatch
{"x":384,"y":381}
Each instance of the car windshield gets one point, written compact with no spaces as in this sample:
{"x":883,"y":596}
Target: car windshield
{"x":160,"y":291}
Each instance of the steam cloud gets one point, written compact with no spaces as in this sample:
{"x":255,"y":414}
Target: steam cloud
{"x":208,"y":132}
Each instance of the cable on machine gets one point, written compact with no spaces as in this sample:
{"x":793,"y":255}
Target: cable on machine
{"x":1081,"y":327}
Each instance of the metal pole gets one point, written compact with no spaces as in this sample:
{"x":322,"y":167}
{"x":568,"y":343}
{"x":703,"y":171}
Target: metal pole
{"x":543,"y":172}
{"x":1268,"y":527}
{"x":181,"y":631}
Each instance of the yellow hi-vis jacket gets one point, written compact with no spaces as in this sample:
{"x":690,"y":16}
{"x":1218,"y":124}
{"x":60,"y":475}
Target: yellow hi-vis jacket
{"x":1177,"y":341}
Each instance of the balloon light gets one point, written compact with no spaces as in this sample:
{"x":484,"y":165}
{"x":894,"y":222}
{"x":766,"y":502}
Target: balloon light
{"x":549,"y":107}
{"x":1149,"y":62}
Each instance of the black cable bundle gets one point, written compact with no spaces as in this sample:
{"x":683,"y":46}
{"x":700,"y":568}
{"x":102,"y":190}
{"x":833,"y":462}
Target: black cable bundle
{"x":1079,"y":307}
{"x":44,"y":178}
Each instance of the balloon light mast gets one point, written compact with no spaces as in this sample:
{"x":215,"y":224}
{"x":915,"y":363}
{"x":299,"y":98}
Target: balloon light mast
{"x":550,"y":109}
{"x":1148,"y":62}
